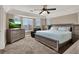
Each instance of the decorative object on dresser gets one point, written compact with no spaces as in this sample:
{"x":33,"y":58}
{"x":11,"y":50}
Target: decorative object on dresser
{"x":15,"y":34}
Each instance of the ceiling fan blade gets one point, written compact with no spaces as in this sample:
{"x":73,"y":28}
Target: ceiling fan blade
{"x":41,"y":12}
{"x":52,"y":9}
{"x":37,"y":9}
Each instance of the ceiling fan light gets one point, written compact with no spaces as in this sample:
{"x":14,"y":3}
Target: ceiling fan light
{"x":48,"y":12}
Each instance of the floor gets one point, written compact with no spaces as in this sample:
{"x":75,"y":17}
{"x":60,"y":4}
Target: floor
{"x":74,"y":49}
{"x":27,"y":45}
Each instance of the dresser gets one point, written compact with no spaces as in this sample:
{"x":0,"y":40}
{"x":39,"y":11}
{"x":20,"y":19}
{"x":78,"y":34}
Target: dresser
{"x":13,"y":35}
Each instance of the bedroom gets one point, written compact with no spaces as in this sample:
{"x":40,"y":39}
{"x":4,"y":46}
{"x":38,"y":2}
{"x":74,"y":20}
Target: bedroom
{"x":62,"y":16}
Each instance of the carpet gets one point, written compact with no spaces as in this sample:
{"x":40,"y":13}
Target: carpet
{"x":28,"y":45}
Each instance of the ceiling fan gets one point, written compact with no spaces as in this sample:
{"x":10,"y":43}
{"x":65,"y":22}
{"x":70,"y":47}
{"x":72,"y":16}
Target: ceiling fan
{"x":45,"y":9}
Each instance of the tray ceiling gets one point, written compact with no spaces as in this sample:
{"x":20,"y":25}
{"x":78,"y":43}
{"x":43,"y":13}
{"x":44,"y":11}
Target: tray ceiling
{"x":60,"y":9}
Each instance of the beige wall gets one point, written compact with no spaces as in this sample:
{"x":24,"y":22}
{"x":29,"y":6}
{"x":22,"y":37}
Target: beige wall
{"x":43,"y":23}
{"x":78,"y":18}
{"x":72,"y":18}
{"x":2,"y":28}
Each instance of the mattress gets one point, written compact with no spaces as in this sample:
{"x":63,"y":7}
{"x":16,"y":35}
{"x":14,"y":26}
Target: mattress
{"x":61,"y":36}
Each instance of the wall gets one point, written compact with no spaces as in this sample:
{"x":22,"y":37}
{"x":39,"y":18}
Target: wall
{"x":48,"y":20}
{"x":72,"y":18}
{"x":78,"y":18}
{"x":2,"y":28}
{"x":43,"y":23}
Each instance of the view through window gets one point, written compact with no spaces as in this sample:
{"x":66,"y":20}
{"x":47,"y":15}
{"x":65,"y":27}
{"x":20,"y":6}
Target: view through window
{"x":27,"y":24}
{"x":37,"y":22}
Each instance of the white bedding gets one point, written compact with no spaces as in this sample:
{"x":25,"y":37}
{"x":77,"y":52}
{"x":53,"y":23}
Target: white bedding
{"x":61,"y":36}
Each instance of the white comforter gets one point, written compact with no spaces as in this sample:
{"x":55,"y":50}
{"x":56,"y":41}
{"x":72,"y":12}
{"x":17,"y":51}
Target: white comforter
{"x":61,"y":36}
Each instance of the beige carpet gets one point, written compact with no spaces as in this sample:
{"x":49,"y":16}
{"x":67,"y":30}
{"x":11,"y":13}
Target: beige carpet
{"x":27,"y":45}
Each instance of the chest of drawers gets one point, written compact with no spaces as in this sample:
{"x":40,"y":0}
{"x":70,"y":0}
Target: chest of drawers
{"x":14,"y":35}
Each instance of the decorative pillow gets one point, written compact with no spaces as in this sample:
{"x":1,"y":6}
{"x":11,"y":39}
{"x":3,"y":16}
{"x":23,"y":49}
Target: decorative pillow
{"x":53,"y":28}
{"x":64,"y":29}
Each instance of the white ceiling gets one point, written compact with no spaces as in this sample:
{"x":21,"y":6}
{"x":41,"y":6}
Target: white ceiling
{"x":60,"y":9}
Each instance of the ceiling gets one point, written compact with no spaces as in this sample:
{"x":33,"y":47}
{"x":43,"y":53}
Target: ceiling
{"x":60,"y":9}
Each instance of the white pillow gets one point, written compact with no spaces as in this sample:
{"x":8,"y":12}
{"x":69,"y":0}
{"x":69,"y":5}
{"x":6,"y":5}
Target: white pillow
{"x":53,"y":28}
{"x":64,"y":29}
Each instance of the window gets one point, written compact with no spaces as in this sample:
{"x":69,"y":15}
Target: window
{"x":27,"y":24}
{"x":37,"y":22}
{"x":17,"y":20}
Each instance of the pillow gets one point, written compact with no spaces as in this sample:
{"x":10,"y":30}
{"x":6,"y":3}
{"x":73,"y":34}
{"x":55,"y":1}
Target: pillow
{"x":64,"y":29}
{"x":53,"y":28}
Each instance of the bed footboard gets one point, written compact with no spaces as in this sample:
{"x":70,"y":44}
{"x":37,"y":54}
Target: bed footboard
{"x":54,"y":44}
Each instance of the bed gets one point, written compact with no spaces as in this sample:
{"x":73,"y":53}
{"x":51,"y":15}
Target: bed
{"x":61,"y":36}
{"x":57,"y":39}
